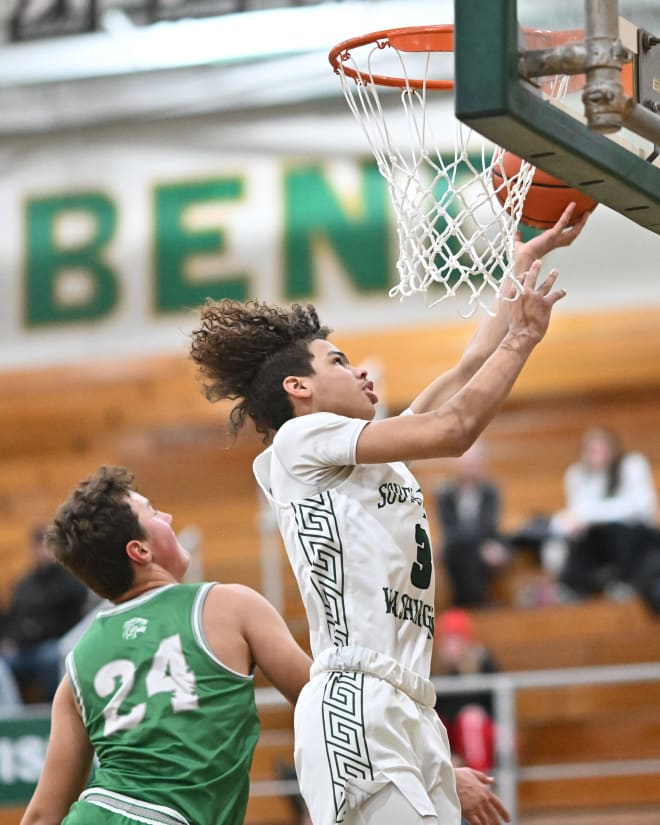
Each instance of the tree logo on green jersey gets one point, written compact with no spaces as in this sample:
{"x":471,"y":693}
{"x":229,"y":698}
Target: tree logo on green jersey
{"x":134,"y":626}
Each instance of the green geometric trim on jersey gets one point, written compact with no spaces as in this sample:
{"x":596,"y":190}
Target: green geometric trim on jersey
{"x":319,"y":537}
{"x":344,"y":733}
{"x":133,"y":808}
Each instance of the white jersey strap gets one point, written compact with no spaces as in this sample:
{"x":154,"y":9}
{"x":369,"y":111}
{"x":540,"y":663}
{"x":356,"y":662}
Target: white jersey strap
{"x":374,"y":663}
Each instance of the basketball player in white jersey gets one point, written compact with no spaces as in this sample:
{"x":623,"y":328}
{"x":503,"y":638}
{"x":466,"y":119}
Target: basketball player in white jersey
{"x":370,"y":749}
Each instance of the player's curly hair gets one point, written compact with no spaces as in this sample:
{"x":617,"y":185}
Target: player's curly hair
{"x":244,"y":352}
{"x":91,"y":529}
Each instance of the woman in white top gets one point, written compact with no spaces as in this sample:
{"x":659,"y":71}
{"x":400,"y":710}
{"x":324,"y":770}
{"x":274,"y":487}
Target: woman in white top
{"x":369,"y":746}
{"x":610,"y":513}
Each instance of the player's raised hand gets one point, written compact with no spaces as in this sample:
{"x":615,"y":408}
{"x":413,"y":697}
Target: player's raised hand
{"x":530,"y":313}
{"x":561,"y":234}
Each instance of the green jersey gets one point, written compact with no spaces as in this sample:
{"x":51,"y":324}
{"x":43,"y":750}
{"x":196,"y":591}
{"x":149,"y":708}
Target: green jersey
{"x":173,"y":729}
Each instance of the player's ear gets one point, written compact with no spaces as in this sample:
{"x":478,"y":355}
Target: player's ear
{"x":138,"y":552}
{"x":297,"y":386}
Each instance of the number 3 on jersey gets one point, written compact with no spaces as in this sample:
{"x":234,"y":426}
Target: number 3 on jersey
{"x":422,"y":569}
{"x":169,"y":673}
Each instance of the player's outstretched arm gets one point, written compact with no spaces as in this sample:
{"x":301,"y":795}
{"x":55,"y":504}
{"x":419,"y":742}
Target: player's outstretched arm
{"x":67,"y":765}
{"x":479,"y":805}
{"x":491,"y":329}
{"x":456,"y":424}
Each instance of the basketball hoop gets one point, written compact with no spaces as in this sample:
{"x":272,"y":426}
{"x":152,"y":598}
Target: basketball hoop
{"x":454,"y":233}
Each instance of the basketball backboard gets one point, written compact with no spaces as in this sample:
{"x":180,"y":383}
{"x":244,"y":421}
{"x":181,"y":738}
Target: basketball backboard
{"x":619,"y":168}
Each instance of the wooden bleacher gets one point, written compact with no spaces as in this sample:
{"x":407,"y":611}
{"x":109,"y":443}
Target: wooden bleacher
{"x":582,"y":723}
{"x":590,"y":633}
{"x":57,"y":425}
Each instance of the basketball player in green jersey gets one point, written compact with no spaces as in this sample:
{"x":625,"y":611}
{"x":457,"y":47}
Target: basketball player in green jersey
{"x":161,"y":684}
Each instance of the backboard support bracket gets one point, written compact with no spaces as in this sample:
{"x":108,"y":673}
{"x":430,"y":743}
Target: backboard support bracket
{"x":492,"y":99}
{"x":648,"y":71}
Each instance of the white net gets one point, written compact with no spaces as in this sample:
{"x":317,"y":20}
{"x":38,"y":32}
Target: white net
{"x":456,"y":221}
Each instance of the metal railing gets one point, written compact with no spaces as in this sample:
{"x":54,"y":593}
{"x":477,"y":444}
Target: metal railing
{"x":505,"y":687}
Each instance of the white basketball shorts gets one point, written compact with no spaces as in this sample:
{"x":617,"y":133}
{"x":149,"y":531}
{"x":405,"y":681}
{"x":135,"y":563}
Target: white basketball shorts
{"x":364,"y":721}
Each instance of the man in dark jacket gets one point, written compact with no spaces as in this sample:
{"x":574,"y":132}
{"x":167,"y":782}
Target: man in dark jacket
{"x":468,"y":509}
{"x":46,"y":602}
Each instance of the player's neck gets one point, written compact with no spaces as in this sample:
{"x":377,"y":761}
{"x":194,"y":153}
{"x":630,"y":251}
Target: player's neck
{"x":156,"y":578}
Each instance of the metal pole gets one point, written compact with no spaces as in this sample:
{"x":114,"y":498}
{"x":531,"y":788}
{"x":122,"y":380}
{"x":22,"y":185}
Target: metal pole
{"x":603,"y":97}
{"x":506,"y":759}
{"x":642,"y":121}
{"x":272,"y":580}
{"x":505,"y":687}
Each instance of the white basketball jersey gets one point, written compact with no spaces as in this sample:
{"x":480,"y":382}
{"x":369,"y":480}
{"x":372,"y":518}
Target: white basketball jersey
{"x":357,"y":538}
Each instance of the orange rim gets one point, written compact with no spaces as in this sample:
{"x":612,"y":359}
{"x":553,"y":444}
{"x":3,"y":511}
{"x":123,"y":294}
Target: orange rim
{"x":411,"y":39}
{"x":438,"y":39}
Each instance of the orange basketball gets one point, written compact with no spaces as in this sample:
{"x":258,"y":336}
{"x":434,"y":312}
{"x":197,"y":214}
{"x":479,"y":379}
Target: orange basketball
{"x":547,"y":197}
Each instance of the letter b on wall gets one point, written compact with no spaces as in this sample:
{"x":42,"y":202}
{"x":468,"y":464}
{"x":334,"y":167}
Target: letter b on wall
{"x":67,"y":276}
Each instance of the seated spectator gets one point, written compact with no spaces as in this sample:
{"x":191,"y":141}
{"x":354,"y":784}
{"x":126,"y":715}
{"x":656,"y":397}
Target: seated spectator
{"x":472,"y":548}
{"x":45,"y":603}
{"x":598,"y":540}
{"x":467,"y":716}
